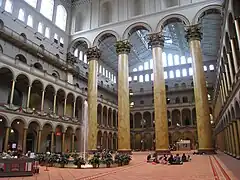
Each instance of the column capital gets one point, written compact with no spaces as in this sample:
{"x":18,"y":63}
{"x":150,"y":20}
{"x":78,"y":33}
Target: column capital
{"x":193,"y":33}
{"x":93,"y":53}
{"x":123,"y":47}
{"x":156,"y":40}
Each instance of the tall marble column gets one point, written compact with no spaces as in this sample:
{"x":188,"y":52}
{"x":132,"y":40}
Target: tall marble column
{"x":236,"y":139}
{"x":52,"y":141}
{"x":237,"y":26}
{"x":73,"y":142}
{"x":123,"y":48}
{"x":204,"y":128}
{"x":39,"y":141}
{"x":24,"y":140}
{"x":93,"y":55}
{"x":12,"y":92}
{"x":6,"y":139}
{"x":156,"y":42}
{"x":29,"y":96}
{"x":63,"y":142}
{"x":42,"y":102}
{"x":54,"y":103}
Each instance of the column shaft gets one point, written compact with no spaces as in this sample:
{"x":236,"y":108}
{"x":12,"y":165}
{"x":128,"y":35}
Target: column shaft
{"x":39,"y":141}
{"x":12,"y":92}
{"x":225,"y":84}
{"x":6,"y":139}
{"x":93,"y":55}
{"x":234,"y":53}
{"x":74,"y":108}
{"x":232,"y":140}
{"x":63,"y":142}
{"x":65,"y":107}
{"x":123,"y":49}
{"x":229,"y":140}
{"x":230,"y":68}
{"x":24,"y":140}
{"x":54,"y":103}
{"x":227,"y":77}
{"x":52,"y":142}
{"x":29,"y":96}
{"x":42,"y":103}
{"x":73,"y":137}
{"x":204,"y":127}
{"x":236,"y":139}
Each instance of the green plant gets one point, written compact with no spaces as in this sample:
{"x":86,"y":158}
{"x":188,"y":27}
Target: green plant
{"x":107,"y":159}
{"x":63,"y":160}
{"x":51,"y":159}
{"x":118,"y":159}
{"x":126,"y":159}
{"x":41,"y":158}
{"x":95,"y":161}
{"x":79,"y":161}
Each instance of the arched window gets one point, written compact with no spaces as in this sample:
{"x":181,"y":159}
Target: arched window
{"x":205,"y":68}
{"x":135,"y":78}
{"x":85,"y":58}
{"x":32,"y":3}
{"x":152,"y":77}
{"x":106,"y":73}
{"x":55,"y":38}
{"x":47,"y":8}
{"x":47,"y":32}
{"x":81,"y":58}
{"x":129,"y":79}
{"x":190,"y":70}
{"x":21,"y":15}
{"x":171,"y":74}
{"x":178,"y":74}
{"x":164,"y":59}
{"x":134,"y":69}
{"x":61,"y":17}
{"x":141,"y":78}
{"x":165,"y":74}
{"x":106,"y":13}
{"x":76,"y":53}
{"x":209,"y":97}
{"x":184,"y":72}
{"x":8,"y":6}
{"x":189,"y":60}
{"x":140,"y":68}
{"x":146,"y":77}
{"x":40,"y":27}
{"x":176,"y":60}
{"x":114,"y":79}
{"x":103,"y":70}
{"x":146,"y":65}
{"x":151,"y":64}
{"x":170,"y":60}
{"x":30,"y":21}
{"x":211,"y":67}
{"x":183,"y":60}
{"x":100,"y":66}
{"x":61,"y":41}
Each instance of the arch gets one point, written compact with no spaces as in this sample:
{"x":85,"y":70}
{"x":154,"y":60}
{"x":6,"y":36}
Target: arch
{"x":77,"y":42}
{"x":61,"y":17}
{"x":50,"y":86}
{"x":21,"y":58}
{"x":70,"y":94}
{"x":176,"y":117}
{"x":237,"y":109}
{"x":137,"y":119}
{"x":38,"y":66}
{"x":148,"y":119}
{"x":34,"y":121}
{"x":8,"y":124}
{"x":186,"y":117}
{"x":232,"y":117}
{"x":104,"y":33}
{"x":23,"y":75}
{"x":134,"y":26}
{"x":172,"y":18}
{"x":203,"y":11}
{"x":19,"y":118}
{"x":48,"y":123}
{"x":7,"y":69}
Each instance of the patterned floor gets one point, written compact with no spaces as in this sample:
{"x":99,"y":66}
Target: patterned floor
{"x":201,"y":167}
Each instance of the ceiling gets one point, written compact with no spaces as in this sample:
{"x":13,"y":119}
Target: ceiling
{"x":175,"y":40}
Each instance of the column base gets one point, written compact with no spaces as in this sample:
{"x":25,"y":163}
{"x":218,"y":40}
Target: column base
{"x":162,"y":151}
{"x":124,"y":151}
{"x":207,"y":151}
{"x":237,"y":157}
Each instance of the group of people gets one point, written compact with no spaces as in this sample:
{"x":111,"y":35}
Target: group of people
{"x":171,"y":160}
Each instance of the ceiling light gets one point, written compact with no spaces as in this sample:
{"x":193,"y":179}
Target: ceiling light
{"x":1,"y":120}
{"x":12,"y":131}
{"x":18,"y":122}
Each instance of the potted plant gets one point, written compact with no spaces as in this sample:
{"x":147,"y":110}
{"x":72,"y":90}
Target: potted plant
{"x":108,"y":160}
{"x":118,"y":159}
{"x":126,"y":159}
{"x":79,"y":161}
{"x":41,"y":158}
{"x":95,"y":161}
{"x":63,"y":160}
{"x":51,"y":159}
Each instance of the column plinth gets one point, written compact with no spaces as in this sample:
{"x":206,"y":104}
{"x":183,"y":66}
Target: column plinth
{"x":123,"y":49}
{"x":156,"y":42}
{"x":204,"y":128}
{"x":93,"y":55}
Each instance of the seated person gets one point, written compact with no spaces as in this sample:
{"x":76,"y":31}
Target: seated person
{"x":189,"y":158}
{"x":149,"y":157}
{"x":177,"y":159}
{"x":155,"y":160}
{"x":163,"y":159}
{"x":170,"y":159}
{"x":184,"y":158}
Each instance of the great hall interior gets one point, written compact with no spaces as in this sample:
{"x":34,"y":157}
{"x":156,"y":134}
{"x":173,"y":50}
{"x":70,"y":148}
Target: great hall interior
{"x":128,"y":75}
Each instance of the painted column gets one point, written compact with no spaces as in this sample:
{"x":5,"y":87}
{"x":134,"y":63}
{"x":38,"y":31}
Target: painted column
{"x":42,"y":103}
{"x":74,"y":108}
{"x":236,"y":139}
{"x":160,"y":105}
{"x":29,"y":96}
{"x":6,"y":139}
{"x":235,"y":58}
{"x":226,"y":140}
{"x":225,"y":85}
{"x":222,"y":97}
{"x":204,"y":127}
{"x":227,"y":77}
{"x":24,"y":140}
{"x":63,"y":142}
{"x":39,"y":141}
{"x":93,"y":55}
{"x":123,"y":48}
{"x":230,"y":68}
{"x":52,"y":141}
{"x":237,"y":26}
{"x":232,"y":140}
{"x":73,"y":137}
{"x":54,"y":103}
{"x":12,"y":92}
